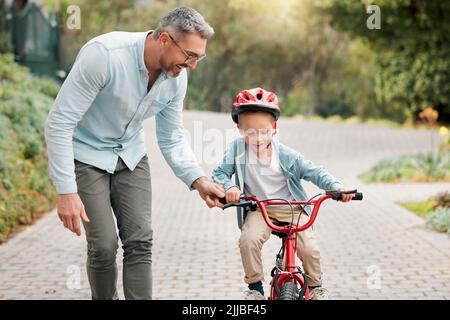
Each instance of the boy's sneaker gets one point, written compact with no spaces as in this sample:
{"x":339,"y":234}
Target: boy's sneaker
{"x":319,"y":293}
{"x":253,"y":295}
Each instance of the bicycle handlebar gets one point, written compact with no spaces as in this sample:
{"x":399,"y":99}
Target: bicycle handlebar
{"x":337,"y":195}
{"x":252,"y":201}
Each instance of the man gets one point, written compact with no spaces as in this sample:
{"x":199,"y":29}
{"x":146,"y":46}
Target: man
{"x":96,"y":150}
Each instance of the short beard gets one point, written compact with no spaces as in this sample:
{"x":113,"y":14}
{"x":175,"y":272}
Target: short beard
{"x":164,"y":68}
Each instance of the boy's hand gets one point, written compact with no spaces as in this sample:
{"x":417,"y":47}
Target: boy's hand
{"x":232,"y":195}
{"x":346,"y":197}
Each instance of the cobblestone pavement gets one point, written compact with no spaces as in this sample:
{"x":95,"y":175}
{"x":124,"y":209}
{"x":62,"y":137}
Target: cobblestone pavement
{"x":373,"y":249}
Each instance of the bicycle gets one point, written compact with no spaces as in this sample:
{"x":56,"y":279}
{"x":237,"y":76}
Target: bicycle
{"x":288,"y":282}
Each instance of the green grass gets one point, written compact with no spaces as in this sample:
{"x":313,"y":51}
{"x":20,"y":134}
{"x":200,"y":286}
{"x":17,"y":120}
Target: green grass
{"x":421,"y":208}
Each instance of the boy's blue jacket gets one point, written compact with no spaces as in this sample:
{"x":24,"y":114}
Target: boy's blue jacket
{"x":294,"y":166}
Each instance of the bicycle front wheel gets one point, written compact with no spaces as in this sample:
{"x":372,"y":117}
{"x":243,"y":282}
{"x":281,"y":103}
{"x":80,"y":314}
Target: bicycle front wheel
{"x":289,"y":291}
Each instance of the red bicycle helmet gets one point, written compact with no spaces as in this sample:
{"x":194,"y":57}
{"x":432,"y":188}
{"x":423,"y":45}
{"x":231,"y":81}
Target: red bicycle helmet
{"x":255,"y":99}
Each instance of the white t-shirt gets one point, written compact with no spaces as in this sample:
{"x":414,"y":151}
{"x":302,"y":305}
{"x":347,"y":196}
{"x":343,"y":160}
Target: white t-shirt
{"x":265,"y":181}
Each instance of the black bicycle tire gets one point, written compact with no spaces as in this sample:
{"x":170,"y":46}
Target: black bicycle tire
{"x":289,"y":291}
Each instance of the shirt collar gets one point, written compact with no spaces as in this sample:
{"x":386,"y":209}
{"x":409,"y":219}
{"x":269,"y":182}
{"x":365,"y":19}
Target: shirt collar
{"x":141,"y":46}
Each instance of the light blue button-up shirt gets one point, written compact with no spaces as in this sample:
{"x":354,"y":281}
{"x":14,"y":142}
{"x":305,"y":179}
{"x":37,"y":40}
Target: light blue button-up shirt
{"x":99,"y":112}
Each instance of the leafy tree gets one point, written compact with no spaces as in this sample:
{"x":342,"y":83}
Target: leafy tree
{"x":412,"y":51}
{"x":317,"y":55}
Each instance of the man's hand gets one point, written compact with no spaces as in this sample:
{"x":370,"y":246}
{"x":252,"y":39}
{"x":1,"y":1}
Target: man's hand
{"x":70,"y":209}
{"x":209,"y":191}
{"x":232,"y":195}
{"x":346,"y":197}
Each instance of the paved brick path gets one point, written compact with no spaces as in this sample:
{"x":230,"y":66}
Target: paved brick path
{"x":195,"y":249}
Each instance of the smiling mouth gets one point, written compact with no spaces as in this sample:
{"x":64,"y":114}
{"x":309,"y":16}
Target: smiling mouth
{"x":261,"y":145}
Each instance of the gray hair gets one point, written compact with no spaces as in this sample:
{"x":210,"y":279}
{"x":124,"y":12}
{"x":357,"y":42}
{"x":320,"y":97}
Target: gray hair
{"x":184,"y":20}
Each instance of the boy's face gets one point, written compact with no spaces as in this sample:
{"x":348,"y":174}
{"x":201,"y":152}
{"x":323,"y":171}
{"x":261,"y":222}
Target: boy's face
{"x":257,"y":129}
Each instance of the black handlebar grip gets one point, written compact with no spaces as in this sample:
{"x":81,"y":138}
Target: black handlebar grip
{"x":358,"y":196}
{"x":223,"y":200}
{"x":338,"y":196}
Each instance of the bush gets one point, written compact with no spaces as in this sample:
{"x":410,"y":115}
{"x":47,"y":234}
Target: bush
{"x":335,"y":106}
{"x":416,"y":168}
{"x":439,"y":220}
{"x":442,"y":199}
{"x":25,"y":188}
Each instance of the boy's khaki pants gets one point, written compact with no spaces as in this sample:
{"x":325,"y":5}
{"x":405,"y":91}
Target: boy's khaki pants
{"x":255,"y":233}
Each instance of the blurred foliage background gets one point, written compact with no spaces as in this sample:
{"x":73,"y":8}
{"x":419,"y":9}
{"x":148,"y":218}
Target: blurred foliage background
{"x":318,"y":55}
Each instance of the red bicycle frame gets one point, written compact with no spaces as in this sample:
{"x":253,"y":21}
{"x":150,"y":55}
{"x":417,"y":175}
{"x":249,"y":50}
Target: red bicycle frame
{"x":290,"y":271}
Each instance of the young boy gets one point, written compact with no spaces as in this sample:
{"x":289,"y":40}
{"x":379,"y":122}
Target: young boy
{"x":268,"y":169}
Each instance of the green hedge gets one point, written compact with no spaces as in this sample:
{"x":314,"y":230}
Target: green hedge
{"x":436,"y":211}
{"x":25,"y":188}
{"x":411,"y":168}
{"x":440,"y":220}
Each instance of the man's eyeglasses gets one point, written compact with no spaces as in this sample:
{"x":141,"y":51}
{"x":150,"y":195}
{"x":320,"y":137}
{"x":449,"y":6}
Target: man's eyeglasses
{"x":190,"y":58}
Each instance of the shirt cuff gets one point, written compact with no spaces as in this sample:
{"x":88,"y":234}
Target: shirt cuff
{"x":66,"y":187}
{"x":196,"y":173}
{"x":229,"y":186}
{"x":336,"y":186}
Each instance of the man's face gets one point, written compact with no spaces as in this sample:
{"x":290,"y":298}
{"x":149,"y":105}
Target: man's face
{"x":175,"y":52}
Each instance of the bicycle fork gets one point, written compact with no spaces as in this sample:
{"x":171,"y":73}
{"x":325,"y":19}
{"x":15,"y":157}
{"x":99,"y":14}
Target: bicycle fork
{"x":285,"y":270}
